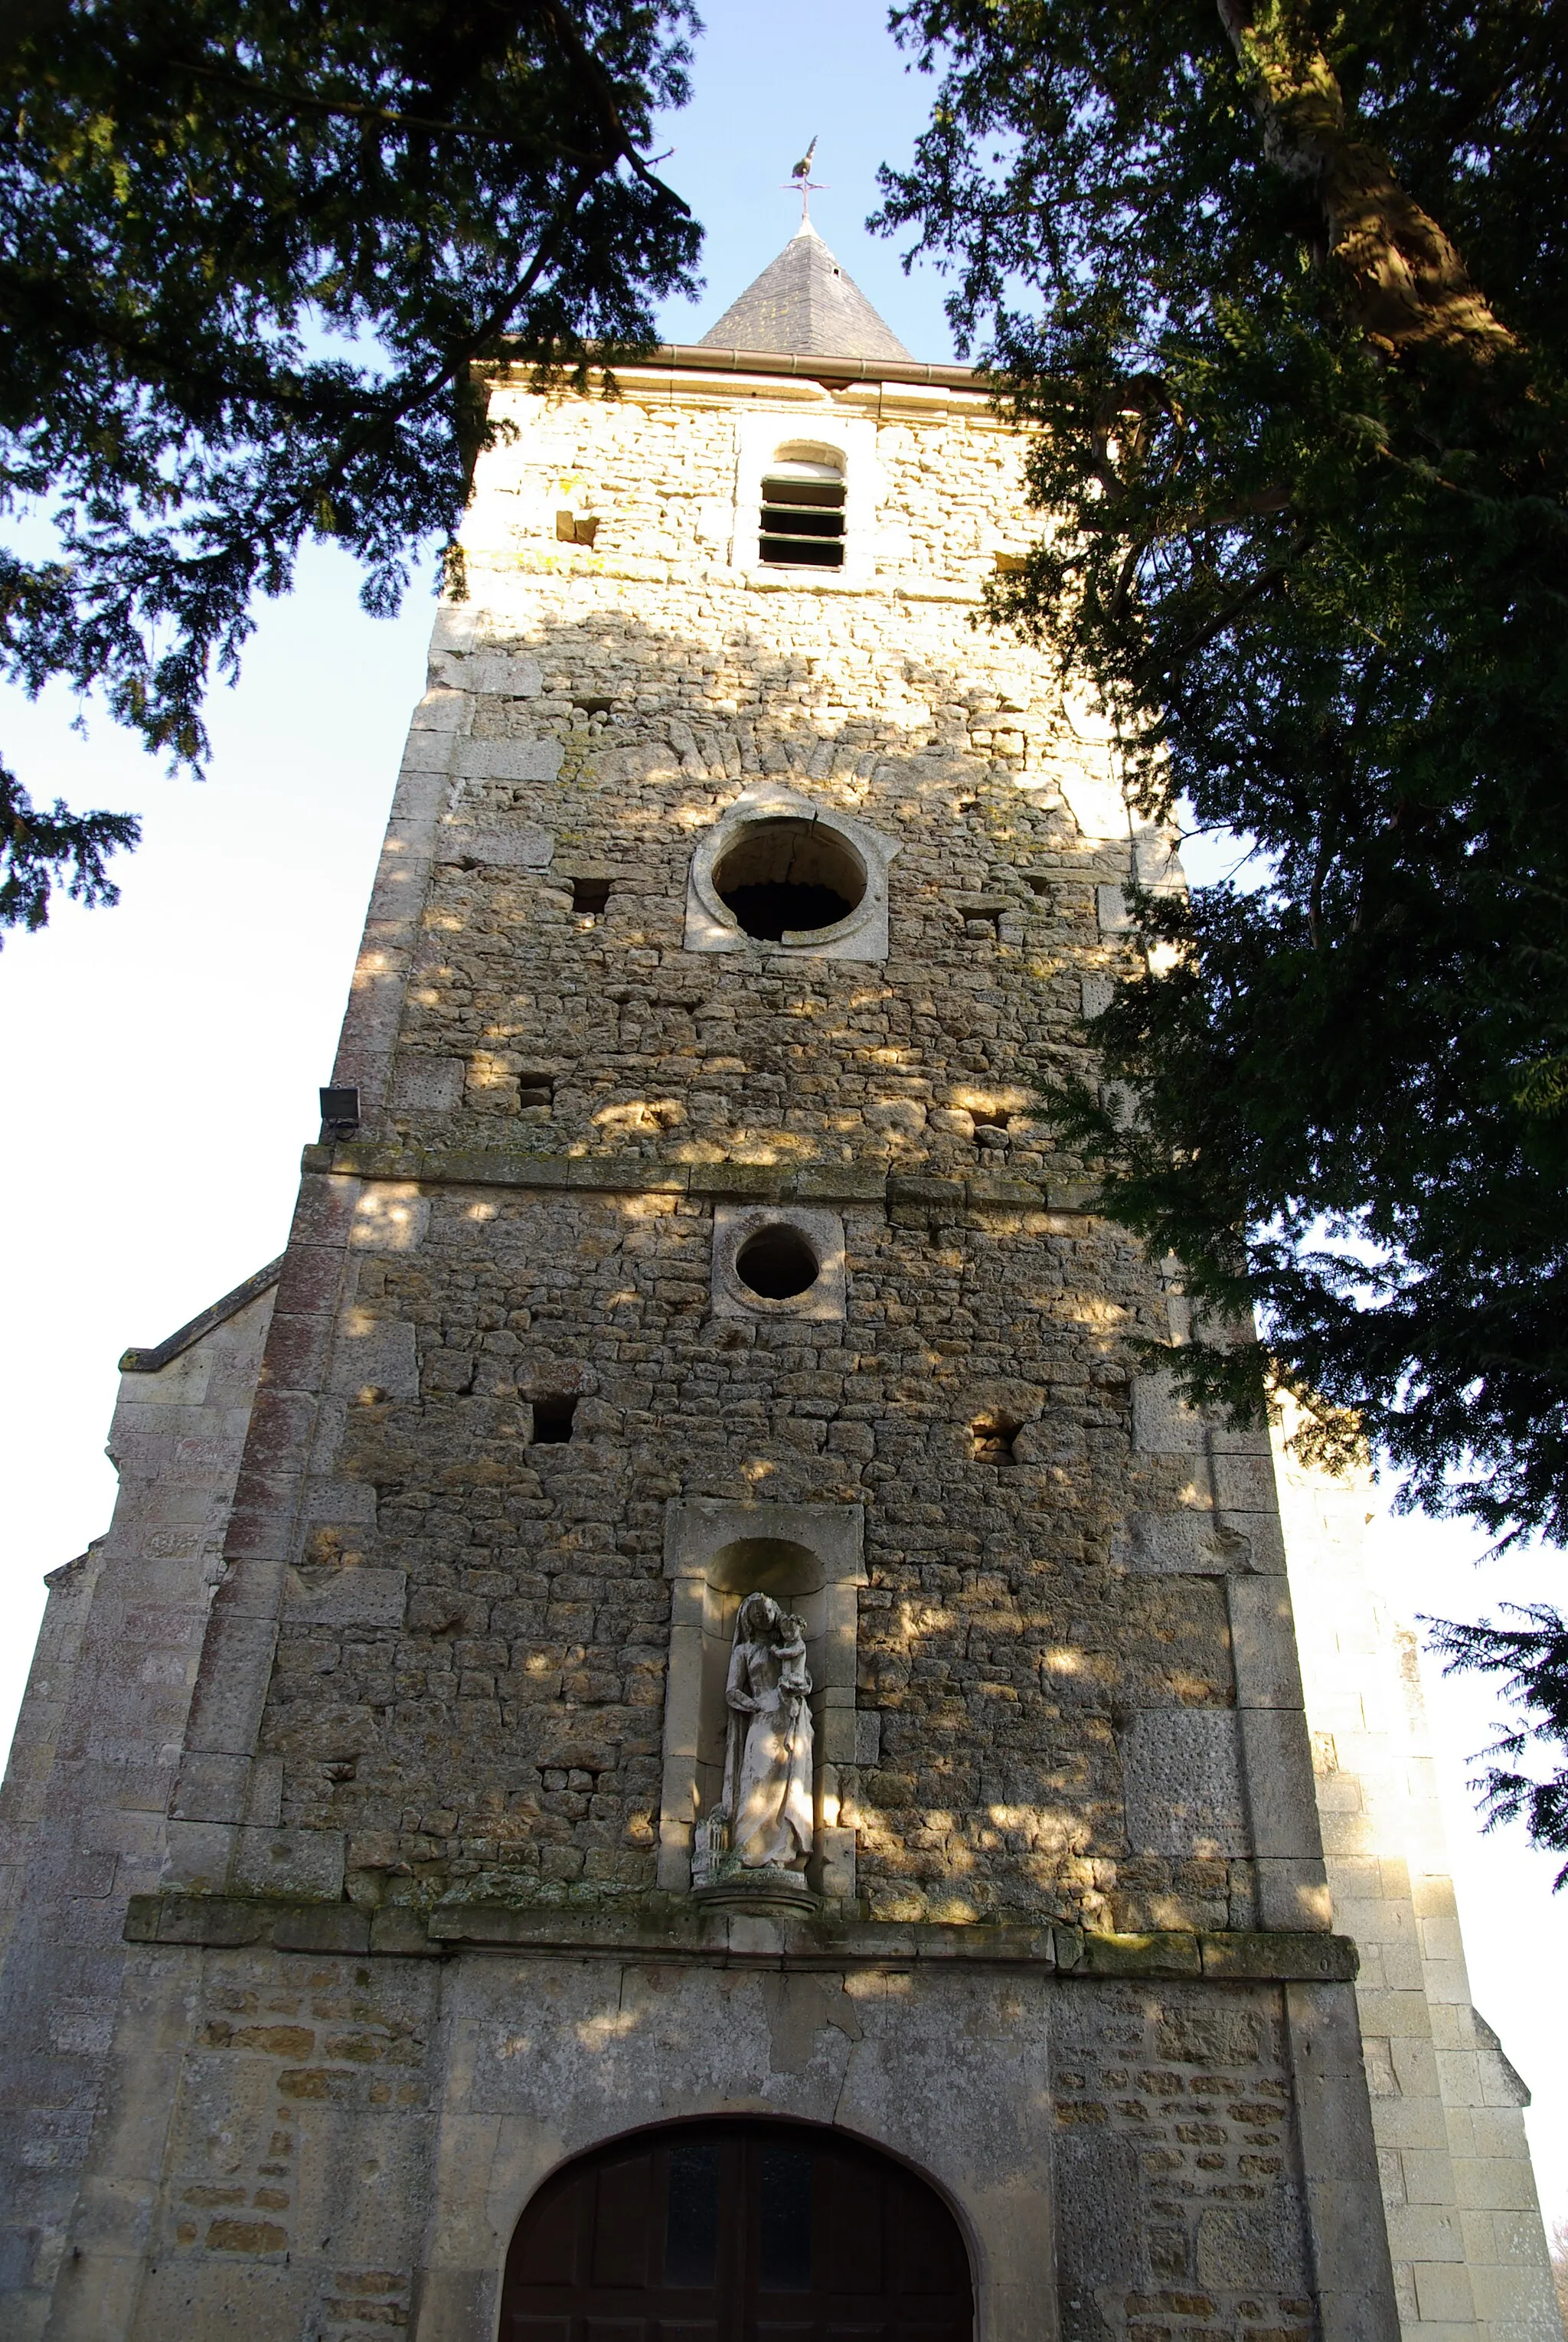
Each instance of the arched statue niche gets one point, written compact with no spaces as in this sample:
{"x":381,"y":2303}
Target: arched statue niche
{"x":732,"y":2227}
{"x":759,"y":1706}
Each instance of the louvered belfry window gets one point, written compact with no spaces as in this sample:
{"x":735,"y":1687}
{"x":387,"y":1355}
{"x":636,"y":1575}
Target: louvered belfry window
{"x":803,"y":515}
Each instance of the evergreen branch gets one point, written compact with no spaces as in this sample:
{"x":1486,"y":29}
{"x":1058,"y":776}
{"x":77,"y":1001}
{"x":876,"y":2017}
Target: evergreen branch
{"x":38,"y":849}
{"x":301,"y":101}
{"x":1411,"y":286}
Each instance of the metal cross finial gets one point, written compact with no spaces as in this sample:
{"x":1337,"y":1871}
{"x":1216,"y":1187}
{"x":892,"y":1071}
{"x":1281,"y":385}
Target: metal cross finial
{"x":801,"y":178}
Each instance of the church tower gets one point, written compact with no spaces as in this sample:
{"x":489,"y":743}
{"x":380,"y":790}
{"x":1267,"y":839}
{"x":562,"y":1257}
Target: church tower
{"x":671,"y":1739}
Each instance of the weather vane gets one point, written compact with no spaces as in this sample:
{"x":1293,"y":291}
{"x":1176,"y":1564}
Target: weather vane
{"x":801,"y":178}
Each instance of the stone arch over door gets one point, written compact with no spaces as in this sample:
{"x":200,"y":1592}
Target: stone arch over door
{"x":736,"y":2227}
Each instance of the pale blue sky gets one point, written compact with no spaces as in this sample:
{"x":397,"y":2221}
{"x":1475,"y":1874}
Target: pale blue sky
{"x":161,"y":1060}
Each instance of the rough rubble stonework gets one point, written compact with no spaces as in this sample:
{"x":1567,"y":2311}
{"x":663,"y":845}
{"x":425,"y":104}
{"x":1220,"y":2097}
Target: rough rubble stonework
{"x":403,"y":1916}
{"x":998,"y":1634}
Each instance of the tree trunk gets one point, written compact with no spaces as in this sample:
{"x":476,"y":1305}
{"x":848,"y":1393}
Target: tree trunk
{"x":1409,"y":286}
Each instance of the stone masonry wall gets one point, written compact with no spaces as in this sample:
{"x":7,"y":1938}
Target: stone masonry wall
{"x":352,"y":2142}
{"x":408,"y":1950}
{"x":512,"y":1716}
{"x":1177,"y":2168}
{"x":264,"y":2152}
{"x":1469,"y":2249}
{"x":91,"y":1771}
{"x":1049,"y":1702}
{"x":641,"y":697}
{"x":24,"y":1798}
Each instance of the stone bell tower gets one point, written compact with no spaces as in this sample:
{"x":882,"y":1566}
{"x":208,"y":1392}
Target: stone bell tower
{"x":669,"y":1739}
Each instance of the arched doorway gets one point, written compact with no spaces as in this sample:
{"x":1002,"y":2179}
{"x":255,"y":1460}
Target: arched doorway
{"x":736,"y":2231}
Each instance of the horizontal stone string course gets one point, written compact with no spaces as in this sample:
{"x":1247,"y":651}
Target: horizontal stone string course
{"x":629,"y":1175}
{"x":1257,"y":1956}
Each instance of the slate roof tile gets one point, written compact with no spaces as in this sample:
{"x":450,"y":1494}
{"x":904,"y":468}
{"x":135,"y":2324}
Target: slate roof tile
{"x":804,"y":304}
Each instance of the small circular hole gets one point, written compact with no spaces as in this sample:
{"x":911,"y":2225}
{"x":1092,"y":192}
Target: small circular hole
{"x":777,"y":1263}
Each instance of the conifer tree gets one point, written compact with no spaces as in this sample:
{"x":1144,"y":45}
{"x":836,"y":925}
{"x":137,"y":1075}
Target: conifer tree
{"x":1284,"y":286}
{"x":251,"y":255}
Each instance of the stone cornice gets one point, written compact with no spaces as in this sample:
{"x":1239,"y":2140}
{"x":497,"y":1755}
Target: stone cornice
{"x":695,"y":357}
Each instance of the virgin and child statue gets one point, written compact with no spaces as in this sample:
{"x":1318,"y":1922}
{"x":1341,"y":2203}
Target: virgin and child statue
{"x":764,"y":1820}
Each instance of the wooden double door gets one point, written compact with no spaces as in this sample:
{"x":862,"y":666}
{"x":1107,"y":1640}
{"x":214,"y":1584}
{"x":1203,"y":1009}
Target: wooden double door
{"x":736,"y":2232}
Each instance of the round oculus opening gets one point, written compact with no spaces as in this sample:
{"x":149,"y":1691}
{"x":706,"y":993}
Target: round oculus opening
{"x":777,"y":1264}
{"x":786,"y":878}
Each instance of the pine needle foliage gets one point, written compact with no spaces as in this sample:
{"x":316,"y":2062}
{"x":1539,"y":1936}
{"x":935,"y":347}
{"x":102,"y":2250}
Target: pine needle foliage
{"x":252,"y":257}
{"x":1530,"y":1660}
{"x":1284,"y":287}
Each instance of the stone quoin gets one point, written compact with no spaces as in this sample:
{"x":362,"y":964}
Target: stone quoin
{"x":671,"y":1734}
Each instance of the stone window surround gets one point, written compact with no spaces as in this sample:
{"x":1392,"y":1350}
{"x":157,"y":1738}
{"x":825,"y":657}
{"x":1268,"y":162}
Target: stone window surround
{"x":716,"y":1550}
{"x":711,"y":926}
{"x":823,"y":1303}
{"x":849,"y":441}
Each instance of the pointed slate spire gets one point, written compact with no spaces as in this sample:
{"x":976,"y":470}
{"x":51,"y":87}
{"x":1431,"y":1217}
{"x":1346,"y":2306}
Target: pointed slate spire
{"x":804,"y":303}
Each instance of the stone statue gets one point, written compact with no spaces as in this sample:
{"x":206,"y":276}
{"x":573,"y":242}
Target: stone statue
{"x":764,"y":1820}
